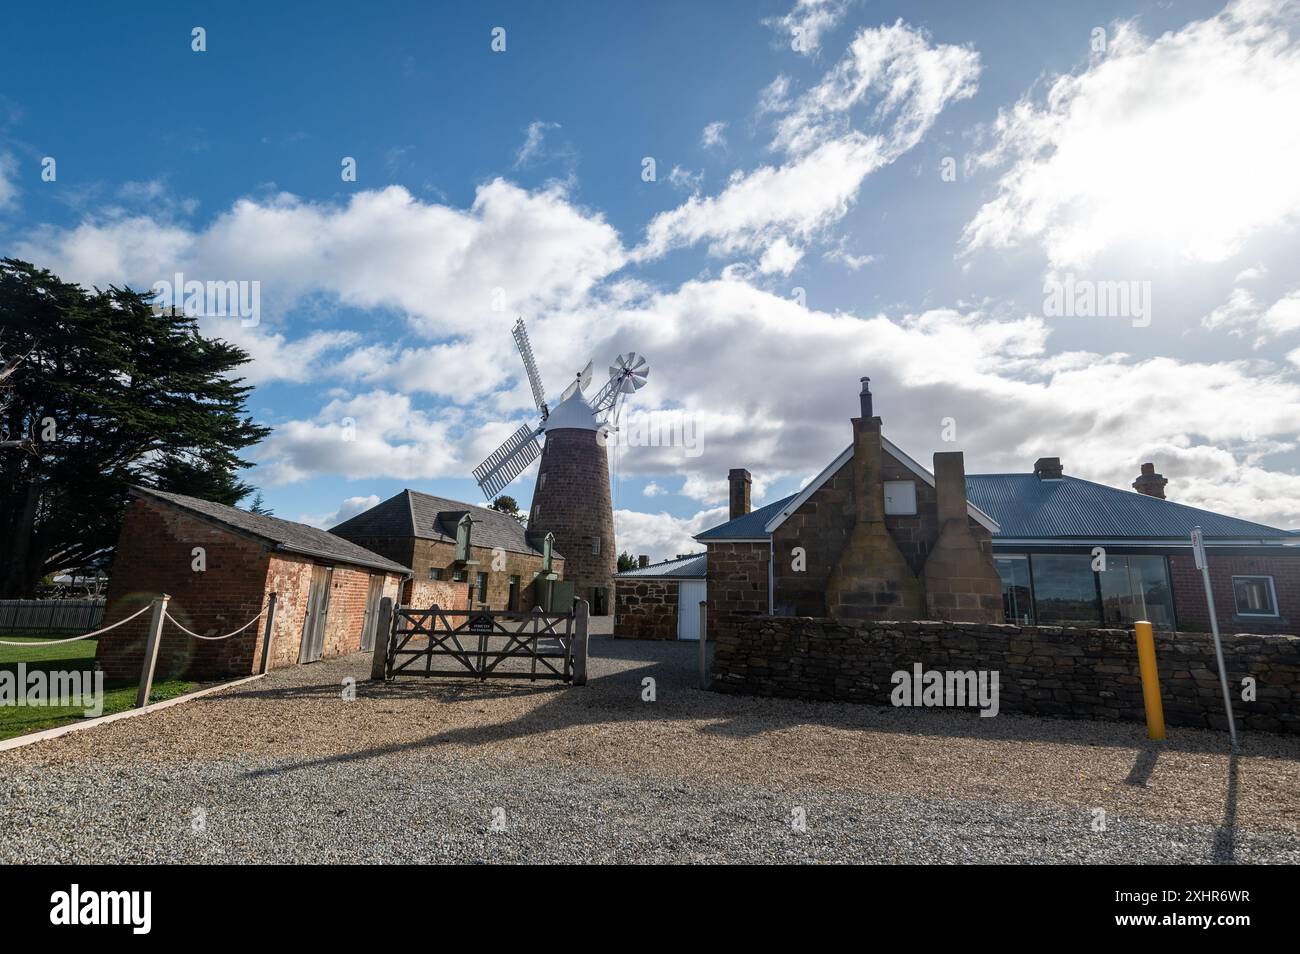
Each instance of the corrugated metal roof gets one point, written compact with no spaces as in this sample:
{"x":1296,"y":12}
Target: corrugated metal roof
{"x":691,"y":567}
{"x":283,"y":534}
{"x":1027,"y":507}
{"x":749,"y":527}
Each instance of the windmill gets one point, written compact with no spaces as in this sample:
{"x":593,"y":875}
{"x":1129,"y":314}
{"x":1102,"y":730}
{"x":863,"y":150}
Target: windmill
{"x":503,"y":465}
{"x":571,"y":498}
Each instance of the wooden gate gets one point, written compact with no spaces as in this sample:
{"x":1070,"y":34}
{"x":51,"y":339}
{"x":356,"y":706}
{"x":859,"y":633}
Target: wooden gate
{"x":487,"y":644}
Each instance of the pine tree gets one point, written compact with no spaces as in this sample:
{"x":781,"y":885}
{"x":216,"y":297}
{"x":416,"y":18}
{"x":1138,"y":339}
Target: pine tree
{"x":108,"y":394}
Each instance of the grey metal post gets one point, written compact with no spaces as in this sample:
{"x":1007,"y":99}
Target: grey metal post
{"x":580,"y":644}
{"x":383,"y":635}
{"x":151,"y":650}
{"x":269,"y":634}
{"x":704,"y":646}
{"x":1203,"y":561}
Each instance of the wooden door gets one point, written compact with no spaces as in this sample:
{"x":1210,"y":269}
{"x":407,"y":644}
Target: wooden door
{"x":318,"y":609}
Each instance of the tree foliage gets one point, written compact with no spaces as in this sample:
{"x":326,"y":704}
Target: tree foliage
{"x":108,"y":394}
{"x":626,"y":561}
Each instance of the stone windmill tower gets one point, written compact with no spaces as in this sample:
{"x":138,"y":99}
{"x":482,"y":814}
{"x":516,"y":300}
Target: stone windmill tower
{"x":571,"y":499}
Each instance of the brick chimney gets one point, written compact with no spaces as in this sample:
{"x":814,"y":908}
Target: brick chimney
{"x":740,"y":482}
{"x":961,"y":580}
{"x":1048,"y":468}
{"x":1150,"y":483}
{"x":643,"y":560}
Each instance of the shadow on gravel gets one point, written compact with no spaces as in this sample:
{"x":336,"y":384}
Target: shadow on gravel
{"x":1225,"y":838}
{"x":614,"y":694}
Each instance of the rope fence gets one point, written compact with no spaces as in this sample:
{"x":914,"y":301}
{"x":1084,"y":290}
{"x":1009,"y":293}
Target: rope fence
{"x":73,"y":639}
{"x":190,"y":632}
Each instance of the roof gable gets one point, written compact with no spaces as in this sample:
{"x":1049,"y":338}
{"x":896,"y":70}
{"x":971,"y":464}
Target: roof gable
{"x":426,"y":517}
{"x":283,"y":535}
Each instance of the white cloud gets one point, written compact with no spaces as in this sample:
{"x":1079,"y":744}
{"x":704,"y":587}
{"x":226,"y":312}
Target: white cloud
{"x":348,"y":509}
{"x":1174,"y":150}
{"x":780,"y":258}
{"x":807,"y":21}
{"x":8,"y":190}
{"x":652,"y":489}
{"x":377,"y":434}
{"x":905,"y":80}
{"x":662,"y":536}
{"x":714,"y":136}
{"x":1242,"y":312}
{"x":534,"y":137}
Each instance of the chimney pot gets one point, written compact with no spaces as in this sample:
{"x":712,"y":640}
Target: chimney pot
{"x":864,"y":399}
{"x":740,"y":481}
{"x":1150,"y":483}
{"x":1048,"y":468}
{"x":643,"y":560}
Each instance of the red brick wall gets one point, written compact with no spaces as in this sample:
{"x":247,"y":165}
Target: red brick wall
{"x":1189,"y":591}
{"x":645,"y":608}
{"x":154,"y":555}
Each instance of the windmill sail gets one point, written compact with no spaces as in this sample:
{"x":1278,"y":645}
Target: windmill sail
{"x":530,"y":366}
{"x":507,"y":462}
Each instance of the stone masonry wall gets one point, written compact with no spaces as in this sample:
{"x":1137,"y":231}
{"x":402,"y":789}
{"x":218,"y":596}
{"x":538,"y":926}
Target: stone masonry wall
{"x":1049,"y":671}
{"x":646,"y":609}
{"x":437,"y":555}
{"x":737,"y":580}
{"x":571,"y":499}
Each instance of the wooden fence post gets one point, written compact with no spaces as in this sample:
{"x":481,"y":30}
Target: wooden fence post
{"x":151,"y":650}
{"x":580,"y":644}
{"x":704,"y":647}
{"x":383,"y":635}
{"x":269,"y":635}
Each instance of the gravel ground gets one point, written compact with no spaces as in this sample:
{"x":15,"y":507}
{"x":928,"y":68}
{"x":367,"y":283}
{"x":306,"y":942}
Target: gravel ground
{"x":284,"y":769}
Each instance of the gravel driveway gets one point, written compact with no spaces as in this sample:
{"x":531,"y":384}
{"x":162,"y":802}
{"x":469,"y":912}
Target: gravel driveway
{"x":286,"y":769}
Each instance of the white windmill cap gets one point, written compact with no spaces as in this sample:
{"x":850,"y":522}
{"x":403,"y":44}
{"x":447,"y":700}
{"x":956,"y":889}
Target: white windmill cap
{"x":573,"y":412}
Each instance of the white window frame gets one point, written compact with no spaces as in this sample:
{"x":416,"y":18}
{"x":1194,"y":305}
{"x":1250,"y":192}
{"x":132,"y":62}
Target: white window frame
{"x":1272,"y":594}
{"x":911,"y":485}
{"x":595,"y":546}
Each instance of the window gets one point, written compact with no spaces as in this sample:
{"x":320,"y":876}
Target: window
{"x":1254,"y":595}
{"x":435,"y":573}
{"x":1017,"y":598}
{"x":512,"y":599}
{"x":541,"y":482}
{"x":1065,"y":590}
{"x":458,"y":576}
{"x":1134,"y":588}
{"x":595,"y":545}
{"x":900,"y":497}
{"x":482,"y":587}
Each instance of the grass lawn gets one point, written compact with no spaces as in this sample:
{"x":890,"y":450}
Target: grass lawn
{"x":19,"y":720}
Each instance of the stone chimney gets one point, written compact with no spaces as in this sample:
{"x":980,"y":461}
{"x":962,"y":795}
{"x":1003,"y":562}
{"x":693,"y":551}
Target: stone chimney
{"x":740,"y":482}
{"x":961,"y":581}
{"x":643,"y":560}
{"x":1048,"y":468}
{"x":871,"y":579}
{"x":1150,"y":483}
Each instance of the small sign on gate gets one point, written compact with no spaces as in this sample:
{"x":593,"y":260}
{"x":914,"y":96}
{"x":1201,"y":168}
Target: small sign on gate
{"x":481,"y":623}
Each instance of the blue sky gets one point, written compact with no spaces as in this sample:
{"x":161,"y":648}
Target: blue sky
{"x":1150,"y":143}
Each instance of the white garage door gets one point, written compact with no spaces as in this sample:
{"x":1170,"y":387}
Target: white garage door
{"x":689,"y":595}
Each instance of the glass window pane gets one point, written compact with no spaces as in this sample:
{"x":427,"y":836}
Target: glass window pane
{"x":1254,"y":595}
{"x":1017,"y":603}
{"x":1065,"y":591}
{"x":1151,"y":585}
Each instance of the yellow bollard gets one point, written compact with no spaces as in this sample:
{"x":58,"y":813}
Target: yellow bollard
{"x":1146,"y":645}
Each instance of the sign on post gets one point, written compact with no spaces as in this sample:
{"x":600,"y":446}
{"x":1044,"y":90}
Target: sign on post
{"x":1203,"y":564}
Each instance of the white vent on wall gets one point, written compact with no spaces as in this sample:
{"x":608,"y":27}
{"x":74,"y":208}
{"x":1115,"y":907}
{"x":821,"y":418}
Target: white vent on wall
{"x":900,"y":497}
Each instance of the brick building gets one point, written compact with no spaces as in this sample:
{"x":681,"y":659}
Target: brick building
{"x":460,"y":554}
{"x":877,"y":536}
{"x":660,"y":600}
{"x":219,"y":565}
